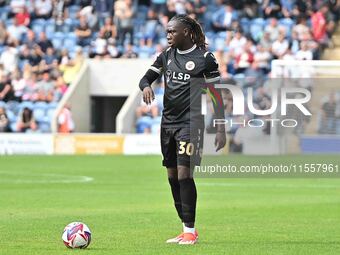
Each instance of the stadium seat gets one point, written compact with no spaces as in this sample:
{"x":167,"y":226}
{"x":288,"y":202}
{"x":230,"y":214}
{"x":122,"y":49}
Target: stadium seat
{"x":38,"y":28}
{"x":50,"y":30}
{"x":39,"y":114}
{"x":3,"y":104}
{"x":13,"y":126}
{"x":73,"y":10}
{"x":25,"y":104}
{"x":256,"y":28}
{"x":45,"y":127}
{"x":11,"y":116}
{"x":57,"y":40}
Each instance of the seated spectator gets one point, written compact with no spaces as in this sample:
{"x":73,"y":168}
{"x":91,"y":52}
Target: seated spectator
{"x":237,"y":43}
{"x":60,"y":88}
{"x":304,"y":53}
{"x":223,"y":18}
{"x":30,"y":39}
{"x":328,"y":116}
{"x":16,"y":6}
{"x":262,"y":57}
{"x":271,"y":8}
{"x":266,"y":41}
{"x":110,"y":31}
{"x":99,"y":45}
{"x":45,"y":88}
{"x":22,"y":18}
{"x":129,"y":53}
{"x":16,"y":31}
{"x":90,"y":16}
{"x":253,"y":76}
{"x":26,"y":121}
{"x":50,"y":56}
{"x":83,"y":32}
{"x":4,"y":121}
{"x":6,"y":90}
{"x":273,"y":29}
{"x":301,"y":27}
{"x":150,"y":32}
{"x":104,"y":9}
{"x":43,"y":9}
{"x":112,"y":49}
{"x":280,"y":46}
{"x":3,"y":33}
{"x":31,"y":88}
{"x":71,"y":68}
{"x":44,"y":42}
{"x":244,"y":59}
{"x":18,"y":84}
{"x":319,"y":25}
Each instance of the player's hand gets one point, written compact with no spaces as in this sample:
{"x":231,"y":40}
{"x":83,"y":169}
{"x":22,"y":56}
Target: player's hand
{"x":148,"y":95}
{"x":220,"y":140}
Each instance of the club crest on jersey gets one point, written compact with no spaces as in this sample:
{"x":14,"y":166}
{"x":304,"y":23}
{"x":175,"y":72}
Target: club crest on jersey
{"x":190,"y":65}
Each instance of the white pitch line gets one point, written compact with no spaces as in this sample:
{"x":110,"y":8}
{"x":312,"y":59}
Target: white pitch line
{"x":26,"y":178}
{"x":266,"y":185}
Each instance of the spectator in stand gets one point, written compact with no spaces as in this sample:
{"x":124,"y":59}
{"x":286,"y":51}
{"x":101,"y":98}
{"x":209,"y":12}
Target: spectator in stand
{"x":4,"y":121}
{"x":45,"y":88}
{"x":18,"y":84}
{"x":245,"y":58}
{"x":90,"y":16}
{"x":103,"y":9}
{"x":60,"y":88}
{"x":16,"y":31}
{"x":198,"y":8}
{"x":151,"y":25}
{"x":254,"y":76}
{"x":3,"y":33}
{"x":129,"y":52}
{"x":44,"y":42}
{"x":22,"y":18}
{"x":50,"y":56}
{"x":6,"y":90}
{"x":272,"y":8}
{"x":158,"y":6}
{"x":237,"y":43}
{"x":304,"y":53}
{"x":301,"y":27}
{"x":30,"y":39}
{"x":112,"y":49}
{"x":110,"y":31}
{"x":35,"y":57}
{"x":31,"y":88}
{"x":223,"y":18}
{"x":266,"y":41}
{"x":280,"y":46}
{"x":43,"y":9}
{"x":123,"y":20}
{"x":83,"y":32}
{"x":16,"y":6}
{"x":71,"y":68}
{"x":9,"y":58}
{"x":273,"y":29}
{"x":99,"y":45}
{"x":26,"y":121}
{"x":262,"y":57}
{"x":319,"y":25}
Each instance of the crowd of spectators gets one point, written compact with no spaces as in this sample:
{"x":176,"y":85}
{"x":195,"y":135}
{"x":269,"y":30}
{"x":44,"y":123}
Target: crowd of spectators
{"x":44,"y":42}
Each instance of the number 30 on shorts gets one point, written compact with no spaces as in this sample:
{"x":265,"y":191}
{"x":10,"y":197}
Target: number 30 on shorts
{"x":187,"y":148}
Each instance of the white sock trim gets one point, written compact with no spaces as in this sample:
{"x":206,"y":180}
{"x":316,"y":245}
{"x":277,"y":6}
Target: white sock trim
{"x":189,"y":230}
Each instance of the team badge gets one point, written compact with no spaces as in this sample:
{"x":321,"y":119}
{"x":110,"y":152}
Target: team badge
{"x":190,"y":65}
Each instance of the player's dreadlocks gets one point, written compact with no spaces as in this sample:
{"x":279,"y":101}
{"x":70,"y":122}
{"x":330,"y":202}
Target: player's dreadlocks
{"x":197,"y":34}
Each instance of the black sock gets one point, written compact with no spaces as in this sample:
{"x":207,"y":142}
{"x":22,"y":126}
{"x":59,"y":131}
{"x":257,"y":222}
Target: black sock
{"x":188,"y":198}
{"x":175,"y":190}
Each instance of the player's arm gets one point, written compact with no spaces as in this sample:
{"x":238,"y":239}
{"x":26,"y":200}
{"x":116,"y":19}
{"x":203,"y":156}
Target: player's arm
{"x":149,"y":77}
{"x":212,"y":76}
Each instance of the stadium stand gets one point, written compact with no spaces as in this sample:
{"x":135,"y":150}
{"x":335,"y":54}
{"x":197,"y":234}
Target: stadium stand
{"x":43,"y":43}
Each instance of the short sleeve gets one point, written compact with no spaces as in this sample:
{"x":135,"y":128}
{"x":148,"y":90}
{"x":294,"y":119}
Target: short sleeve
{"x":211,"y":73}
{"x":157,"y":66}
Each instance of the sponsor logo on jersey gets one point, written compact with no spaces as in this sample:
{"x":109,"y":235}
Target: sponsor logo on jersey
{"x":190,"y":65}
{"x":169,"y":61}
{"x":177,"y":77}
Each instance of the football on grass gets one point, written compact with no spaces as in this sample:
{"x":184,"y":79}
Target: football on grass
{"x":76,"y":235}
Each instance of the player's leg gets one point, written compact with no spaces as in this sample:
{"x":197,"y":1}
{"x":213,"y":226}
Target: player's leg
{"x":189,"y":144}
{"x":168,"y":146}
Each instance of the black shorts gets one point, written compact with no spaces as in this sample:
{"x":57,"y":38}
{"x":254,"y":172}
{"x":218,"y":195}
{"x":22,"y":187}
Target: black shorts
{"x":181,"y":146}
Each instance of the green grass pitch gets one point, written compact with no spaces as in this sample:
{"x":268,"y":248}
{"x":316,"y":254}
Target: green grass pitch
{"x":129,"y":210}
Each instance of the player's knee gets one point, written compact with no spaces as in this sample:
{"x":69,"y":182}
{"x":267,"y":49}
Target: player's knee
{"x":172,"y":173}
{"x":184,"y":172}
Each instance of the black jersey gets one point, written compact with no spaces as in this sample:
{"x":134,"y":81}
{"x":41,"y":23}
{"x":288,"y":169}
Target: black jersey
{"x":185,"y":75}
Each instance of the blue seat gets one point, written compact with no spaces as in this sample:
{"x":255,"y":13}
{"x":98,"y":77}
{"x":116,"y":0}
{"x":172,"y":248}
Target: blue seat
{"x":3,"y":104}
{"x":13,"y":126}
{"x":25,"y":104}
{"x":39,"y":114}
{"x":50,"y":30}
{"x":11,"y":116}
{"x":38,"y":28}
{"x":40,"y":105}
{"x":45,"y":127}
{"x":70,"y":43}
{"x":73,"y":11}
